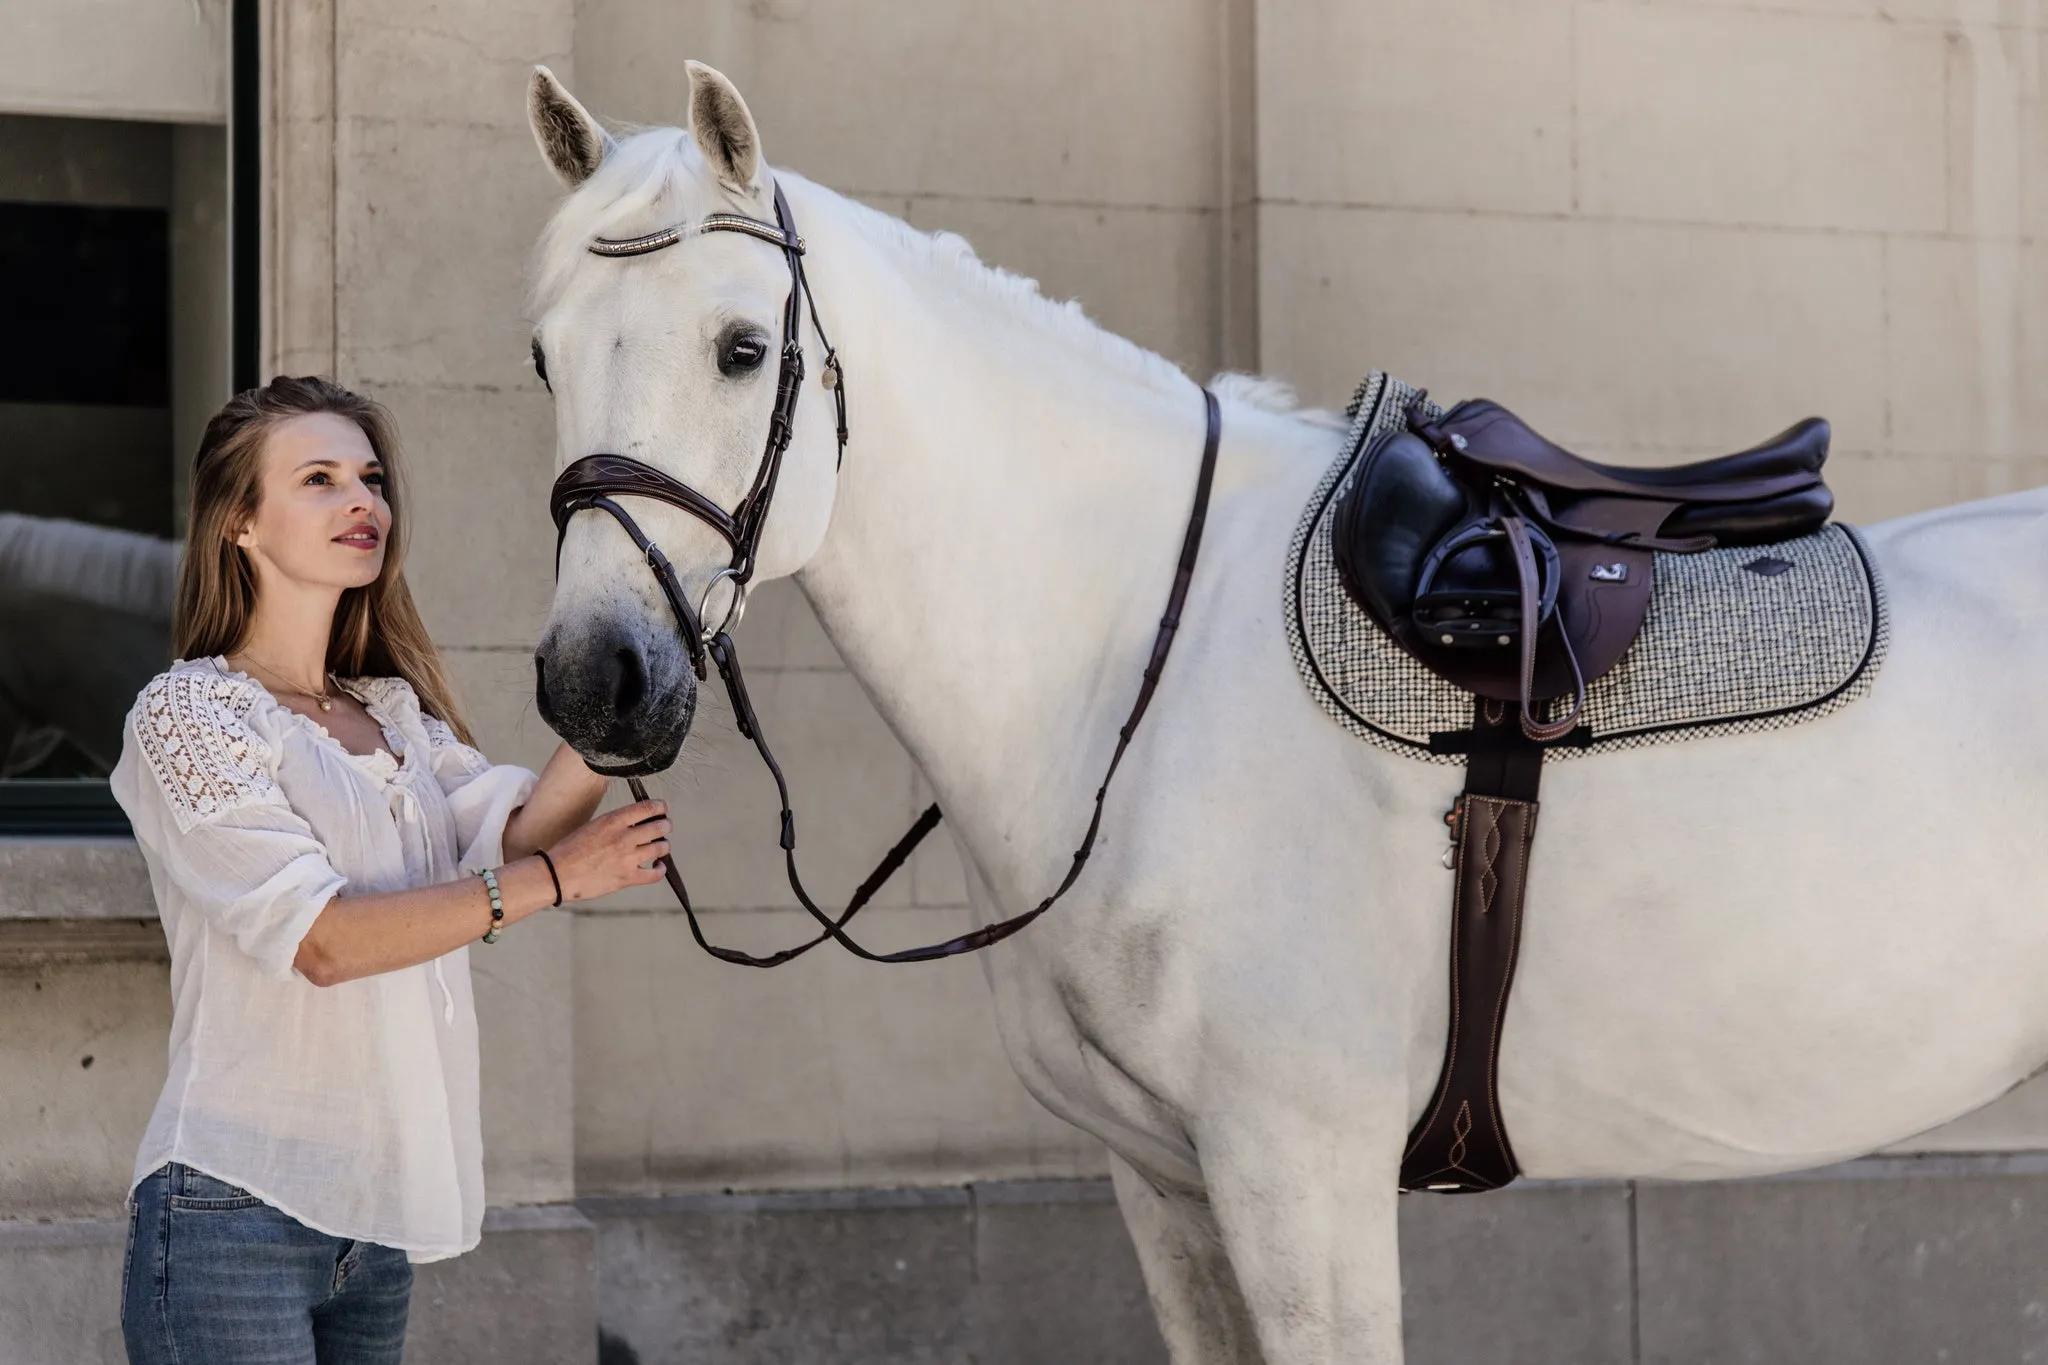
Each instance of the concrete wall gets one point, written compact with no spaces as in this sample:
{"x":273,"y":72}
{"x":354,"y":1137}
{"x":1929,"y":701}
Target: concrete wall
{"x":1666,"y":227}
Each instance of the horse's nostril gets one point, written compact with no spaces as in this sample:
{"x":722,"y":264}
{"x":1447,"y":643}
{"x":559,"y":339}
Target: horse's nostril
{"x":630,"y":685}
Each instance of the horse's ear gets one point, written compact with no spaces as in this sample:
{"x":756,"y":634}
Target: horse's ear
{"x":725,"y":132}
{"x":569,"y":137}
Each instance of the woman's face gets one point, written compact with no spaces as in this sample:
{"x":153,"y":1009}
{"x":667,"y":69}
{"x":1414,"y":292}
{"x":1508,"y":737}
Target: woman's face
{"x":321,"y":519}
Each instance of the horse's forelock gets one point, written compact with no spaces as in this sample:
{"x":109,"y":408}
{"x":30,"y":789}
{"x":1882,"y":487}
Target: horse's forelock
{"x":653,"y":173}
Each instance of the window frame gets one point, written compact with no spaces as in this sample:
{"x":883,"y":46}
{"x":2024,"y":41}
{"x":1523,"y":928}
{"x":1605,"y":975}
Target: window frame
{"x":85,"y":808}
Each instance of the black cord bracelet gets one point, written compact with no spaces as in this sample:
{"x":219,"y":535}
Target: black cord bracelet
{"x":553,"y":875}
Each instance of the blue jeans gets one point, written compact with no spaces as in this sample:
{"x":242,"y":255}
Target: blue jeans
{"x":215,"y":1276}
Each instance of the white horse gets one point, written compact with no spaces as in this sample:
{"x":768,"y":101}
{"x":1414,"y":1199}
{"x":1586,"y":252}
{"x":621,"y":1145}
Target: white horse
{"x":1743,"y":954}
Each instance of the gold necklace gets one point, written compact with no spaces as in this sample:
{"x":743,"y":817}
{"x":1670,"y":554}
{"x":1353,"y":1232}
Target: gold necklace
{"x":320,"y":698}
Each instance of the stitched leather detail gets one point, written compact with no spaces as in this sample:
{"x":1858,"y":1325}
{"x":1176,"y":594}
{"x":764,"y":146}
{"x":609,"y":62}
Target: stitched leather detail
{"x":1489,"y":858}
{"x":1525,"y":836}
{"x":1461,"y":1142}
{"x":1461,"y":1129}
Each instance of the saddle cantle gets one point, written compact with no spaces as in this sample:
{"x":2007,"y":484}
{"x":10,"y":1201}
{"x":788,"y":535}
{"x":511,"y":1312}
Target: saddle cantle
{"x":1520,"y":571}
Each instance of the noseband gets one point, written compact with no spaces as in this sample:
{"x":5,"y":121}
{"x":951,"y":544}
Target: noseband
{"x":596,"y":482}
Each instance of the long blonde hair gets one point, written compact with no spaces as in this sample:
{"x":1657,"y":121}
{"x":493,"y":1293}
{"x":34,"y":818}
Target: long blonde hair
{"x":377,"y":631}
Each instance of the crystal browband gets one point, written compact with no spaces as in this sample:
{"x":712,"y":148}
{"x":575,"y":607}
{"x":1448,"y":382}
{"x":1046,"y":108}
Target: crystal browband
{"x":717,"y":222}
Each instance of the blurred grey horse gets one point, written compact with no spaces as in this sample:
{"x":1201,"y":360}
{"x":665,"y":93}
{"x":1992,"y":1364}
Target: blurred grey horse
{"x":85,"y":621}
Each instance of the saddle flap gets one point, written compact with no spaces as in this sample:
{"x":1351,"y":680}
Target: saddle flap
{"x":1402,"y":526}
{"x":1399,"y":507}
{"x":1603,"y":596}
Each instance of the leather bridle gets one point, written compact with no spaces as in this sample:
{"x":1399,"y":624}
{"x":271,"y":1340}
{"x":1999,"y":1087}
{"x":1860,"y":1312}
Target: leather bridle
{"x":595,"y":482}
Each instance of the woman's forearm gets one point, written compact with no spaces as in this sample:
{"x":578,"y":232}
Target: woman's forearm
{"x":564,"y":798}
{"x":358,"y":936}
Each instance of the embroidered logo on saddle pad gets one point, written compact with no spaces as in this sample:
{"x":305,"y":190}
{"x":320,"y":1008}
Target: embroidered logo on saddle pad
{"x":1737,"y":639}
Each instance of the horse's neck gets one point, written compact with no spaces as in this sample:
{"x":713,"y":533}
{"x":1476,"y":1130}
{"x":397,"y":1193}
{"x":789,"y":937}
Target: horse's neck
{"x":1007,"y":523}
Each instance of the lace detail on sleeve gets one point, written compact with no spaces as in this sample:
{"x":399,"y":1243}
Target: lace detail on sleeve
{"x":195,"y":738}
{"x":447,"y":749}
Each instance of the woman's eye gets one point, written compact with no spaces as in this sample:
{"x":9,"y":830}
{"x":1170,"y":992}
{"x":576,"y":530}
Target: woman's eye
{"x":374,"y":480}
{"x":540,"y":365}
{"x":315,"y":477}
{"x":741,"y":354}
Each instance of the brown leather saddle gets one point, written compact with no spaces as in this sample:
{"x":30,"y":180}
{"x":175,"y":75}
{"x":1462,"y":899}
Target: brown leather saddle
{"x":1522,"y":573}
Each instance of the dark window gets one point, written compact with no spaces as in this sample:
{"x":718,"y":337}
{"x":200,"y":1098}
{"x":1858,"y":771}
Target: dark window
{"x":85,"y":294}
{"x":85,"y":403}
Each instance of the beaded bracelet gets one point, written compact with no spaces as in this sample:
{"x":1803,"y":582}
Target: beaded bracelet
{"x":490,"y":876}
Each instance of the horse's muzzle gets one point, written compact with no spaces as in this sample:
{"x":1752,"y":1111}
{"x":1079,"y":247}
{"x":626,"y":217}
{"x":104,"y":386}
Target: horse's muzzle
{"x":623,"y":702}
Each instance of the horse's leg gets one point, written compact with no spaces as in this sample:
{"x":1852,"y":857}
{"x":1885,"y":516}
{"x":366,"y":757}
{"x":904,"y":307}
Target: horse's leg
{"x":1307,"y":1212}
{"x":1194,"y":1294}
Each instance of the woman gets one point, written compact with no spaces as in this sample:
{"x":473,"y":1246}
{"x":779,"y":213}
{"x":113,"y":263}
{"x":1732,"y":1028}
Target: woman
{"x":324,"y":844}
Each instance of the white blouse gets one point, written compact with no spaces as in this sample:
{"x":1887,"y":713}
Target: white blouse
{"x":353,"y":1107}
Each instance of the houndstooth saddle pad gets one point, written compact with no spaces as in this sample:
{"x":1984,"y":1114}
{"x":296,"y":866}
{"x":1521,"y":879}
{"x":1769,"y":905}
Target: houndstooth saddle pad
{"x":1739,"y":639}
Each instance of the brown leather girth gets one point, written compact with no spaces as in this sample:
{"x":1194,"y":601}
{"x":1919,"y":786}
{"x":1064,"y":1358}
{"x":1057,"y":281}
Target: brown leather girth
{"x":1460,"y":1144}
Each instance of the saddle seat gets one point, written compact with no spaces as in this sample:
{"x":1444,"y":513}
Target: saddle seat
{"x":1497,"y":439}
{"x":1522,"y":572}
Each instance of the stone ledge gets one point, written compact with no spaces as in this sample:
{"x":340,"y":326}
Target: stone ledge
{"x":536,"y":1218}
{"x":62,"y":1233}
{"x":32,"y":944}
{"x":1593,"y":1272}
{"x":65,"y":878}
{"x":1004,"y":1273}
{"x":1932,"y":1252}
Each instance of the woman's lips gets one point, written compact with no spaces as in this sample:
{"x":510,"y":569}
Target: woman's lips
{"x":358,"y":537}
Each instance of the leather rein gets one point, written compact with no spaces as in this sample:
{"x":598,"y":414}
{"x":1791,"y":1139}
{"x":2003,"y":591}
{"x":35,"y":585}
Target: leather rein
{"x":596,"y":482}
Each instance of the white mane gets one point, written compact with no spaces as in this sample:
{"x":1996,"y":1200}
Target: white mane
{"x":641,"y":186}
{"x":654,"y":177}
{"x":1018,"y":295}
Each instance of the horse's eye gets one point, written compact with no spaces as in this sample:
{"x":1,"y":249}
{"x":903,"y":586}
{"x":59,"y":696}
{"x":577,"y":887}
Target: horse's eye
{"x":743,"y":353}
{"x":540,"y":365}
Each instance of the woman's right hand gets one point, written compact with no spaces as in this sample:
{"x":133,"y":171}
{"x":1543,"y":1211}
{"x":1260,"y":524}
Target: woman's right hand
{"x":608,"y":852}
